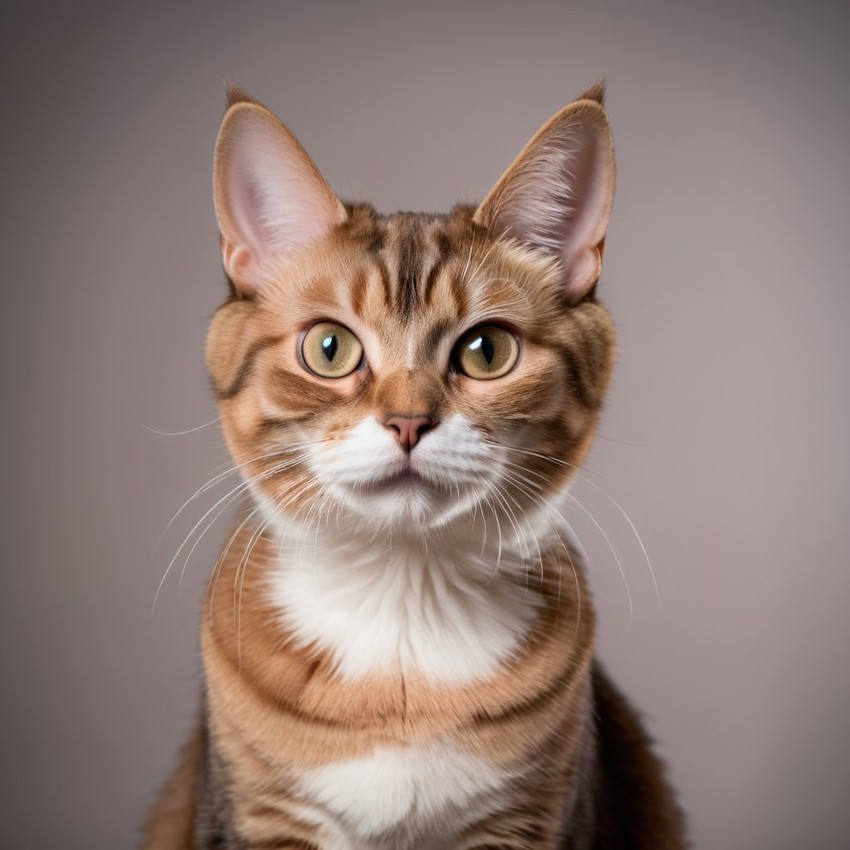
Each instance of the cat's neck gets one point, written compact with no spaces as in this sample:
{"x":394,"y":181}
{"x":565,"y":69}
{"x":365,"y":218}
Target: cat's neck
{"x":263,"y":678}
{"x":451,"y":604}
{"x":499,"y":545}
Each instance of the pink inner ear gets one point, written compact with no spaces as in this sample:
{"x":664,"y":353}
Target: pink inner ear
{"x":557,"y":196}
{"x":270,"y":199}
{"x":238,"y":262}
{"x":582,"y":272}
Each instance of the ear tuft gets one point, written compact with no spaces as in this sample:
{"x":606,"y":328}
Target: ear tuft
{"x":596,"y":92}
{"x":234,"y":93}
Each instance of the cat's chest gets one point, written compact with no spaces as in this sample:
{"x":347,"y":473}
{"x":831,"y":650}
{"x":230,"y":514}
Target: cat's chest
{"x":439,"y":614}
{"x":403,"y":797}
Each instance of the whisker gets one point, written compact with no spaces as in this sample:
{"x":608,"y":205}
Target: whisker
{"x":282,"y":452}
{"x":181,"y":433}
{"x":468,"y":259}
{"x":471,"y":280}
{"x":613,"y":549}
{"x":226,"y":499}
{"x":200,"y":491}
{"x":628,"y":519}
{"x":579,"y":470}
{"x":527,"y":557}
{"x":237,"y":467}
{"x":239,"y":581}
{"x":243,"y":485}
{"x":488,"y":502}
{"x":200,"y":537}
{"x":212,"y":585}
{"x":543,"y":502}
{"x":509,"y":514}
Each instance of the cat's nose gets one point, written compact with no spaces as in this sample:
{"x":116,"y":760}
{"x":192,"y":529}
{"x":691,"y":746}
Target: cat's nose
{"x":408,"y":429}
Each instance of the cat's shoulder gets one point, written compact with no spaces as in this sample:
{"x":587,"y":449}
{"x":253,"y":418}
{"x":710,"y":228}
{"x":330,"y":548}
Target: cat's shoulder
{"x":634,"y":805}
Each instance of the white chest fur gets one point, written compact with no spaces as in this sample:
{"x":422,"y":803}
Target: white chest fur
{"x":448,"y":611}
{"x":399,"y":798}
{"x":438,"y":610}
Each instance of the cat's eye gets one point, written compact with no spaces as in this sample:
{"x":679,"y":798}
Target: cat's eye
{"x":330,"y":350}
{"x":485,"y":352}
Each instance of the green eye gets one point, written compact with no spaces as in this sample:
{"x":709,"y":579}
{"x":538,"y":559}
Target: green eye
{"x":330,"y":350}
{"x":486,"y":352}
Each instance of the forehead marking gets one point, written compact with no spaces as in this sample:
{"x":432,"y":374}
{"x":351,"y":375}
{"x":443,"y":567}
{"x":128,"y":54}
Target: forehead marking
{"x":409,"y":267}
{"x":431,"y":280}
{"x":384,"y":277}
{"x":444,"y":250}
{"x":359,"y":288}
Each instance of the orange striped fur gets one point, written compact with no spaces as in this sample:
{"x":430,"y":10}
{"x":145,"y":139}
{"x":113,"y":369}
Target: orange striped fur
{"x":398,"y":640}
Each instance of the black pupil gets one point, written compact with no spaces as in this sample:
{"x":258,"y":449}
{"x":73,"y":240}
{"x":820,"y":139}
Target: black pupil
{"x":330,"y":346}
{"x":487,"y":348}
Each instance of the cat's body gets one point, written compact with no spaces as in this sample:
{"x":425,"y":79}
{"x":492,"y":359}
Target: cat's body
{"x":398,"y":640}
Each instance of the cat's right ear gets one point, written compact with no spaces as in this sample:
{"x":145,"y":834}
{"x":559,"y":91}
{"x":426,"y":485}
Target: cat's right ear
{"x":270,"y":199}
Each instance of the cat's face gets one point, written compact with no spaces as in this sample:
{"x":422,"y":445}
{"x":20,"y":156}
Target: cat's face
{"x":409,"y":371}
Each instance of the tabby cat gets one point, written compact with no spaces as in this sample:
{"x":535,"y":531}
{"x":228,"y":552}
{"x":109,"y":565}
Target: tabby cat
{"x":398,"y":638}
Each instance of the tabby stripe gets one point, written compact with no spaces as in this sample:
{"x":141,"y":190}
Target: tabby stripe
{"x":458,"y":293}
{"x":520,"y":843}
{"x":247,"y":367}
{"x":594,"y":358}
{"x":444,"y":253}
{"x":358,"y":292}
{"x":272,"y":424}
{"x":300,"y":395}
{"x":384,"y":275}
{"x":533,"y":833}
{"x":306,"y":717}
{"x":378,"y":238}
{"x":531,"y":706}
{"x":435,"y":334}
{"x":518,"y":828}
{"x":408,"y":271}
{"x":576,"y":372}
{"x":431,"y":280}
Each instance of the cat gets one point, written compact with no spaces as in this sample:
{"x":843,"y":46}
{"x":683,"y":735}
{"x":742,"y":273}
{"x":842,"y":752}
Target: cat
{"x":398,"y":639}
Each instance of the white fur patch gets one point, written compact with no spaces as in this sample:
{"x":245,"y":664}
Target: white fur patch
{"x":412,"y":797}
{"x":405,"y":568}
{"x":439,"y":612}
{"x":455,"y":465}
{"x":436,"y":602}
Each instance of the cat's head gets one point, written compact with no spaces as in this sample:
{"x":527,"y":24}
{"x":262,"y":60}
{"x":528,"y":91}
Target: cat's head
{"x":410,"y":371}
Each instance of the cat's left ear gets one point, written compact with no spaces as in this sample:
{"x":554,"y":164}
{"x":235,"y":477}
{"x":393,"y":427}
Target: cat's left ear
{"x":557,"y":195}
{"x":270,"y":199}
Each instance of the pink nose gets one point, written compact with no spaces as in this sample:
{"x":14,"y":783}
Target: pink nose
{"x":408,"y":429}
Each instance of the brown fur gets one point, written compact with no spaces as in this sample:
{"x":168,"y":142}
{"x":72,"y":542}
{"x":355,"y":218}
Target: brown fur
{"x":273,"y":707}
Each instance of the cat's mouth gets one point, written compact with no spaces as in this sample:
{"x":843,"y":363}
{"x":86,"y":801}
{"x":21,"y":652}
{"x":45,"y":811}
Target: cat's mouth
{"x":404,"y":479}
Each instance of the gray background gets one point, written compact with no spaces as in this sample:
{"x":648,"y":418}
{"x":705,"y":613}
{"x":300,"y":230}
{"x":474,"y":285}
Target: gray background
{"x":725,"y":437}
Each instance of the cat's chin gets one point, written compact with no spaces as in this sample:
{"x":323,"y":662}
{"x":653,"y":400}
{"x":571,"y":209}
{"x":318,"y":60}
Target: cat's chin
{"x":406,"y":481}
{"x":408,"y":501}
